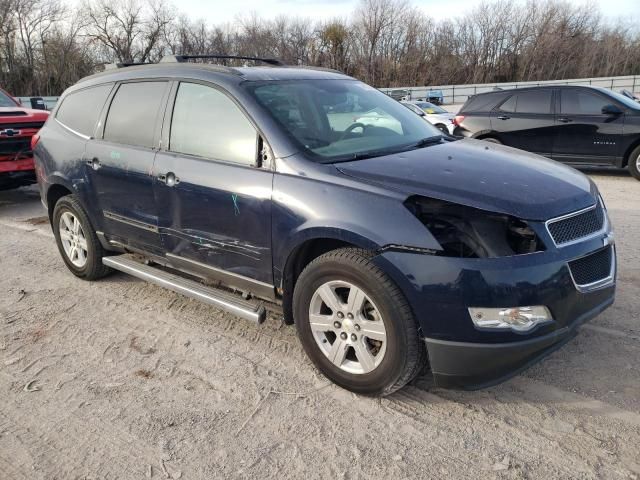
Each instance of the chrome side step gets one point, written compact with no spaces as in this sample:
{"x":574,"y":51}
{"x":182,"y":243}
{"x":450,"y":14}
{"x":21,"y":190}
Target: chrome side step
{"x":226,"y":301}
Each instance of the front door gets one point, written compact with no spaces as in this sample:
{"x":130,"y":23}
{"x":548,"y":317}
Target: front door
{"x":213,"y":196}
{"x":525,"y":121}
{"x":120,"y":163}
{"x":583,"y":134}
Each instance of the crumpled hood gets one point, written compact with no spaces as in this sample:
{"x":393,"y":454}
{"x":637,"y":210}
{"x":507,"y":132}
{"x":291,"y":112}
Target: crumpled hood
{"x":481,"y":175}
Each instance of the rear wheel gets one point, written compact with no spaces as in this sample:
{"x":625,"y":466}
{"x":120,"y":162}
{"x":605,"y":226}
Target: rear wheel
{"x":77,"y":241}
{"x":442,"y":128}
{"x":634,"y":163}
{"x":355,"y":324}
{"x":491,"y":140}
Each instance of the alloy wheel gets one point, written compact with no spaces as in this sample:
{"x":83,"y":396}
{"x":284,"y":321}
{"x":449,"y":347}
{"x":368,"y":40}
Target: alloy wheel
{"x":73,"y":239}
{"x":348,"y":327}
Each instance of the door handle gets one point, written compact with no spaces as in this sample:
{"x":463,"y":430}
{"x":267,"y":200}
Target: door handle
{"x":564,"y":120}
{"x":94,"y":163}
{"x":169,"y":179}
{"x":503,"y":117}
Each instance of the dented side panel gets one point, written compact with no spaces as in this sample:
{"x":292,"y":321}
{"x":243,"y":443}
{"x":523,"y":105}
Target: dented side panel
{"x":218,"y":214}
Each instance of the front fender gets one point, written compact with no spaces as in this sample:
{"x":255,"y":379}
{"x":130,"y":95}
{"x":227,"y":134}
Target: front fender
{"x":305,"y":209}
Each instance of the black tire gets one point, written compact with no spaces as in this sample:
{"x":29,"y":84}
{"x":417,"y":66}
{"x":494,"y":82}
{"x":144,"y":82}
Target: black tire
{"x":492,"y":140}
{"x":634,"y":163}
{"x":405,"y":354}
{"x":442,"y":128}
{"x":93,"y":268}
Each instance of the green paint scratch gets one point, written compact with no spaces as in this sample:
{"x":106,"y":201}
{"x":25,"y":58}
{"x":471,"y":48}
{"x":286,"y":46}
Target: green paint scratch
{"x":236,"y":208}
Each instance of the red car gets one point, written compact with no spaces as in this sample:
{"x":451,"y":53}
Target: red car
{"x":17,"y":126}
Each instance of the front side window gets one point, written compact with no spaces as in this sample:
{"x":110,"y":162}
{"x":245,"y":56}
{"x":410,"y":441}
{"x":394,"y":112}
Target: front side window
{"x":579,"y":102}
{"x":80,"y":110}
{"x":133,"y":114}
{"x":207,"y":123}
{"x":339,"y":120}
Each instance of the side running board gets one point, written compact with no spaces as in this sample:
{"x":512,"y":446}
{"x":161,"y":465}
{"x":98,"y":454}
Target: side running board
{"x":226,"y":301}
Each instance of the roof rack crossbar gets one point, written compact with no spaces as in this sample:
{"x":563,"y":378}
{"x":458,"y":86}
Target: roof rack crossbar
{"x":109,"y":66}
{"x":184,"y":58}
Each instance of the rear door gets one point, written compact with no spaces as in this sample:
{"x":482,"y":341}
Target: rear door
{"x":213,"y":195}
{"x":583,"y":134}
{"x":525,"y":120}
{"x":120,"y":162}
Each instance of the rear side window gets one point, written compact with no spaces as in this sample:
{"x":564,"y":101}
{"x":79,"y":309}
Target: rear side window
{"x":533,"y":101}
{"x":80,"y":110}
{"x":134,"y":113}
{"x":580,"y":102}
{"x":483,"y":102}
{"x":207,"y":123}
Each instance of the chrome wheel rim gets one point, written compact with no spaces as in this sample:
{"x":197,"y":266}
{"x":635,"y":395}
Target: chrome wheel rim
{"x":638,"y":163}
{"x":73,"y":239}
{"x":347,"y":327}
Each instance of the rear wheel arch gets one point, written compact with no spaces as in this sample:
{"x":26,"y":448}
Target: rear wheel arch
{"x":54,"y":194}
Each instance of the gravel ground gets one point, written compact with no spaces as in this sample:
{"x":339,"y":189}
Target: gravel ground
{"x":122,"y":379}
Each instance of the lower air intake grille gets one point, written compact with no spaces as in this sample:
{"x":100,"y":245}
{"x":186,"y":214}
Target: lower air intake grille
{"x":593,"y":268}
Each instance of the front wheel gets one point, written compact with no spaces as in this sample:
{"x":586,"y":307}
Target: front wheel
{"x":355,"y":324}
{"x":634,"y":163}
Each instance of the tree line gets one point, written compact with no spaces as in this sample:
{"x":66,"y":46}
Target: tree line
{"x":46,"y":45}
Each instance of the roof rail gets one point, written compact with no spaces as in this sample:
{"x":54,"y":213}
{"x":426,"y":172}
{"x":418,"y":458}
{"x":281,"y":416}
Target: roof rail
{"x":110,"y":66}
{"x":184,"y":58}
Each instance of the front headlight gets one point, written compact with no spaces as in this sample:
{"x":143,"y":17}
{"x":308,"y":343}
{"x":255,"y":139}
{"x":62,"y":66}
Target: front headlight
{"x":470,"y":232}
{"x":518,"y":319}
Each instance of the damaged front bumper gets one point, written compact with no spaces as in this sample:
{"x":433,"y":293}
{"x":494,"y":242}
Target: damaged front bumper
{"x":441,"y":290}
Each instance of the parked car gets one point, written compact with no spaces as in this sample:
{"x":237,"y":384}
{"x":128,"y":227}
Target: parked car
{"x":435,"y":97}
{"x":17,"y":127}
{"x":400,"y":94}
{"x":433,"y":114}
{"x":381,"y":245}
{"x":573,"y":124}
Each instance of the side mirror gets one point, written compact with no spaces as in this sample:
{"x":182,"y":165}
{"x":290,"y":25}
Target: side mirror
{"x":421,"y":113}
{"x":611,"y":110}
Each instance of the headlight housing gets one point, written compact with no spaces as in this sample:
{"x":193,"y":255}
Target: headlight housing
{"x":469,"y":232}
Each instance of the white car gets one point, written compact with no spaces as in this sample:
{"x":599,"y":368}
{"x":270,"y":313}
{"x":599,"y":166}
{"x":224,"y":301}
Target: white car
{"x":433,"y":114}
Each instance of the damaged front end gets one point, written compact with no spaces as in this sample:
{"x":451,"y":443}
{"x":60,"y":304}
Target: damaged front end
{"x":468,"y":232}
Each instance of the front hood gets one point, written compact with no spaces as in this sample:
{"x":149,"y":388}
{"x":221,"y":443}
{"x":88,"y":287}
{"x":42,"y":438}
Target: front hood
{"x":481,"y":175}
{"x":18,"y":114}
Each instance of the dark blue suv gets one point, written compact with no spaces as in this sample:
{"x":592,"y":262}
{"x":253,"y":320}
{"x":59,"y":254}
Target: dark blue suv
{"x":306,"y":191}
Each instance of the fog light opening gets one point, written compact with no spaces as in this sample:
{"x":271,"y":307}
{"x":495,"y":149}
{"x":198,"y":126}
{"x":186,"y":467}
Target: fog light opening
{"x":518,"y":319}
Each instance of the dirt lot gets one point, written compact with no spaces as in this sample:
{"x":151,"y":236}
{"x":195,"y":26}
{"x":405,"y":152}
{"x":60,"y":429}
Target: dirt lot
{"x":122,"y":379}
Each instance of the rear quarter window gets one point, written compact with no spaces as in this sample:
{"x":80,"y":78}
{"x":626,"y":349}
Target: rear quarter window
{"x":80,"y":110}
{"x":484,"y":102}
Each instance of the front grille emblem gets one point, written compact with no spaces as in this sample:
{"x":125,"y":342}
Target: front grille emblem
{"x":9,"y":132}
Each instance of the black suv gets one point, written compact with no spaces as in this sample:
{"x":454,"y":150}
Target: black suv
{"x":572,"y":124}
{"x":255,"y":187}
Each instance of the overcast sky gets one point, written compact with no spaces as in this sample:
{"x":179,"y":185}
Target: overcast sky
{"x":219,"y":11}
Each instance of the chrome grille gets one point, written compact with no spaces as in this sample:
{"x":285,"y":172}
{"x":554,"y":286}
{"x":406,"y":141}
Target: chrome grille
{"x":594,"y":268}
{"x":577,"y":226}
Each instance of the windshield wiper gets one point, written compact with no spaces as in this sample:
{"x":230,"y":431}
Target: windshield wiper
{"x":427,"y":141}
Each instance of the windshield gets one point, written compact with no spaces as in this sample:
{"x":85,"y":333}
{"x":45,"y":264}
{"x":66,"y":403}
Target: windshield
{"x":334,"y":120}
{"x":430,"y":108}
{"x":6,"y":100}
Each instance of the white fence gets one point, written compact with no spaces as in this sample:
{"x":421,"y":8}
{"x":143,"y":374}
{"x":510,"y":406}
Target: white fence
{"x":459,"y":93}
